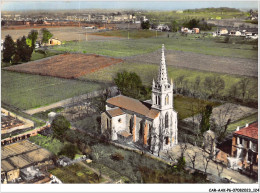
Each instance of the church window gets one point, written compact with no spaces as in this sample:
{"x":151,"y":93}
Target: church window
{"x":156,"y":100}
{"x":107,"y":123}
{"x":141,"y":130}
{"x":131,"y":126}
{"x":167,"y":99}
{"x":159,"y":100}
{"x":166,"y":120}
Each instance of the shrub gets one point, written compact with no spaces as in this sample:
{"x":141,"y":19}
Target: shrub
{"x":117,"y":157}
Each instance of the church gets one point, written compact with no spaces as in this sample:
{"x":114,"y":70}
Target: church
{"x":151,"y":124}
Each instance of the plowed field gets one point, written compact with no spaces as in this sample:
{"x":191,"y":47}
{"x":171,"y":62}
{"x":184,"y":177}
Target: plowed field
{"x":66,"y":65}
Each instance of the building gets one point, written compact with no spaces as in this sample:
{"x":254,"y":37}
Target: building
{"x":245,"y":145}
{"x":54,"y":41}
{"x":223,"y":31}
{"x":20,"y":155}
{"x":151,"y":124}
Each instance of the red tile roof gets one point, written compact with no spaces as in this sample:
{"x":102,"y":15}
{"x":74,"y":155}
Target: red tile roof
{"x":251,"y":131}
{"x":115,"y":112}
{"x":133,"y":105}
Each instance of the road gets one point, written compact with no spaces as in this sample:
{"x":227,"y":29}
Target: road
{"x":175,"y":152}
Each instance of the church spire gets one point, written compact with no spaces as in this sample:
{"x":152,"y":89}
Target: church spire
{"x":162,"y":76}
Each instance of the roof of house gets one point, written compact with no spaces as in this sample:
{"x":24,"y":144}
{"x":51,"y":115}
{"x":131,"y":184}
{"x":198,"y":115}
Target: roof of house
{"x":115,"y":112}
{"x":251,"y":131}
{"x":134,"y":106}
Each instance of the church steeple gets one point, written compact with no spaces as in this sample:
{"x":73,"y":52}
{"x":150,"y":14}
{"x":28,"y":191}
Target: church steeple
{"x":162,"y":90}
{"x":162,"y":75}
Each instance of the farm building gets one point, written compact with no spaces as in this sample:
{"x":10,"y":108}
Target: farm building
{"x":244,"y":145}
{"x":151,"y":123}
{"x":53,"y":42}
{"x":20,"y":155}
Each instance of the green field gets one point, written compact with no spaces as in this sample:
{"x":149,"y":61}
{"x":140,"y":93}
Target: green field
{"x":191,"y":43}
{"x":53,"y":145}
{"x":132,"y":34}
{"x":242,"y":122}
{"x":27,"y":91}
{"x":149,"y":71}
{"x":77,"y":174}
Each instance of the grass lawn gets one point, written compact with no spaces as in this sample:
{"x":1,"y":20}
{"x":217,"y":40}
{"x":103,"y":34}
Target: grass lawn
{"x":182,"y":105}
{"x":77,"y":174}
{"x":133,"y":34}
{"x":53,"y":145}
{"x":44,"y":115}
{"x":149,"y":71}
{"x":242,"y":122}
{"x":26,"y":91}
{"x":123,"y":48}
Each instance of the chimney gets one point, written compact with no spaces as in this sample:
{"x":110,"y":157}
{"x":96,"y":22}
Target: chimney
{"x":237,"y":128}
{"x":247,"y":125}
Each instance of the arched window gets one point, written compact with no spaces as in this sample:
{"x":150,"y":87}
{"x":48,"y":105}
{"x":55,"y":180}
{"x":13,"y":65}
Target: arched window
{"x":166,"y":120}
{"x":159,"y":100}
{"x":141,"y":131}
{"x":107,"y":123}
{"x":156,"y":100}
{"x":167,"y":99}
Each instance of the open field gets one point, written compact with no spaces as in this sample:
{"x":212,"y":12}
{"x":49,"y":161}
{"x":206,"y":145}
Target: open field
{"x":65,"y":65}
{"x":192,"y":43}
{"x":227,"y":65}
{"x":242,"y":122}
{"x":76,"y":173}
{"x":26,"y":91}
{"x":62,"y":33}
{"x":149,"y":71}
{"x":132,"y":34}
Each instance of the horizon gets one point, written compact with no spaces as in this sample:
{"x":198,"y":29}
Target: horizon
{"x":125,"y":5}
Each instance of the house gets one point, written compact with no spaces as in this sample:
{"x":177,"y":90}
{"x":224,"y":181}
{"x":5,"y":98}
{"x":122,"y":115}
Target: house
{"x":235,"y":33}
{"x":186,"y":30}
{"x":245,"y":145}
{"x":163,"y":27}
{"x":196,"y":30}
{"x":53,"y":42}
{"x":151,"y":124}
{"x":223,"y":31}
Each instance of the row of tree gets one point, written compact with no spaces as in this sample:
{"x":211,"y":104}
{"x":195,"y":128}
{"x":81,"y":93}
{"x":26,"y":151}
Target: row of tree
{"x":22,"y":49}
{"x":175,"y":25}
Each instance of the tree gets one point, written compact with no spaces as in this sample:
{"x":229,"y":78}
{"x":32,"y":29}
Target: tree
{"x":59,"y":126}
{"x":68,"y":150}
{"x":193,"y":158}
{"x":243,"y":86}
{"x":174,"y":26}
{"x":9,"y":49}
{"x":32,"y":37}
{"x":214,"y":84}
{"x":23,"y":51}
{"x":145,"y":24}
{"x":130,"y":84}
{"x":193,"y":23}
{"x":205,"y":120}
{"x":206,"y":159}
{"x":46,"y":35}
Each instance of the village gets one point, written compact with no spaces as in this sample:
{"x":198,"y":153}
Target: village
{"x":115,"y":97}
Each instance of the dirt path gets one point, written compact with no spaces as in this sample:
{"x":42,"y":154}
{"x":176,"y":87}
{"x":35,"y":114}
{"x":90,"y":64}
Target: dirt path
{"x":229,"y":65}
{"x":108,"y":179}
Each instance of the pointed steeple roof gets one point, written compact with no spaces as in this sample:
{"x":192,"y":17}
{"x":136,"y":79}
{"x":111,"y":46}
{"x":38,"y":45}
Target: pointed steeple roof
{"x":162,"y":75}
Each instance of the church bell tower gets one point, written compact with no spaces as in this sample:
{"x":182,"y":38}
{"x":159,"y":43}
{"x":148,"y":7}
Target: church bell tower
{"x":162,"y":90}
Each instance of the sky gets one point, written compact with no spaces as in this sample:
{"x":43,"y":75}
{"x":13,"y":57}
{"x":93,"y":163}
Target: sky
{"x":9,"y":5}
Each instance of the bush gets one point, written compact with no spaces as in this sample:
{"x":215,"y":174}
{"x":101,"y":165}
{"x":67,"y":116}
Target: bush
{"x":117,"y":157}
